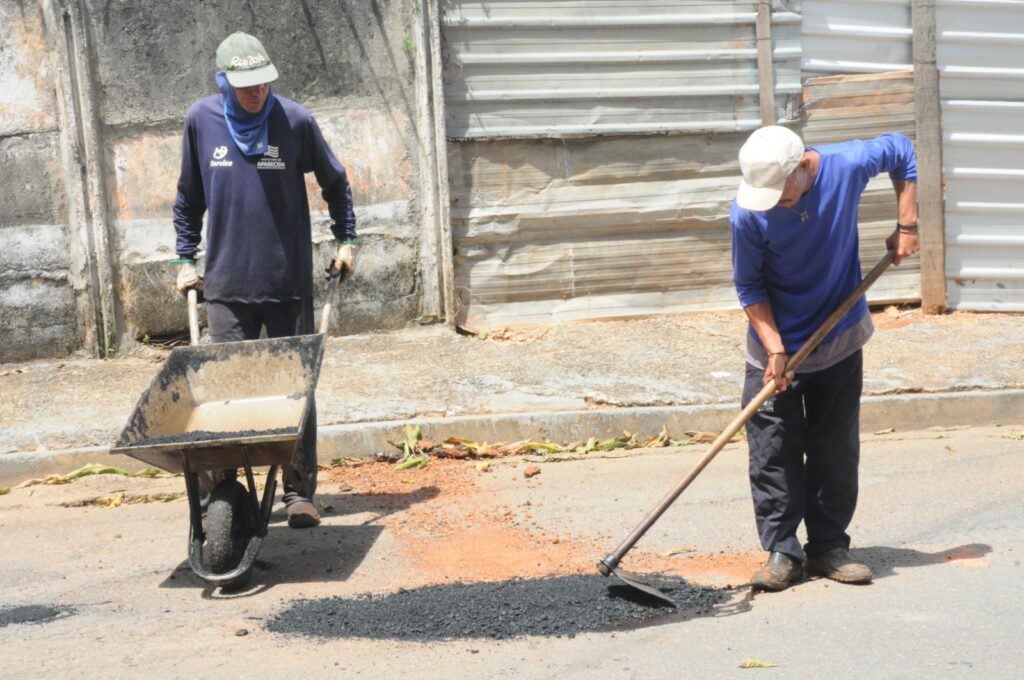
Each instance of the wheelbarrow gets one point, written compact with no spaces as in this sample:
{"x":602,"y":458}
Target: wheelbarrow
{"x":227,"y":406}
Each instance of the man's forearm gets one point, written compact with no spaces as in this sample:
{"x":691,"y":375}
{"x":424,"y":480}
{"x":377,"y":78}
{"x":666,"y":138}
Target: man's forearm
{"x":906,"y":199}
{"x":763,"y":322}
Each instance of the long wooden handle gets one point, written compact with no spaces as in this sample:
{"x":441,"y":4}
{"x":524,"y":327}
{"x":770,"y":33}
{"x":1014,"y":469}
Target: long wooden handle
{"x":193,"y":316}
{"x":612,"y":560}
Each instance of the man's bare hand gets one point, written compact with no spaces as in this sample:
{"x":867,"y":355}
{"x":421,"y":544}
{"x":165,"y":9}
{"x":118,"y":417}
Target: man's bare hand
{"x":775,"y":370}
{"x":902,"y":244}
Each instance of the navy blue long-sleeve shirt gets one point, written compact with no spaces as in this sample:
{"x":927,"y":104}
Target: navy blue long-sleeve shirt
{"x":804,"y":259}
{"x":259,"y":237}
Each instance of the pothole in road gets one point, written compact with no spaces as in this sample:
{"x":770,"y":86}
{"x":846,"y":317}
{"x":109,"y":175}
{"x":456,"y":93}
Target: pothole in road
{"x":554,"y":606}
{"x":33,"y":613}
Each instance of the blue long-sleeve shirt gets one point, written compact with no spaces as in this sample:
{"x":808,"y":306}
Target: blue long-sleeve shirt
{"x":258,"y":231}
{"x":804,"y":259}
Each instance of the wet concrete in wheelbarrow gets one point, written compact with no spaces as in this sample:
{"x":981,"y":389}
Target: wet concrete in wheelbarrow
{"x":208,"y":435}
{"x":553,"y":606}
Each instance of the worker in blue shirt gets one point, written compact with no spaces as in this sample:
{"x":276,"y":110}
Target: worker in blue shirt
{"x":794,"y":237}
{"x":245,"y":152}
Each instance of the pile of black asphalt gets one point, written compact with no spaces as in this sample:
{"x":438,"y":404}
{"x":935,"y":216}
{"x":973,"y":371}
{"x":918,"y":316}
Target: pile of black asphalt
{"x":31,"y":613}
{"x":553,"y":606}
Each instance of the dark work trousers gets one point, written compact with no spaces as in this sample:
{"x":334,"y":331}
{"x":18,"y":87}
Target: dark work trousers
{"x":232,"y":321}
{"x":804,"y":452}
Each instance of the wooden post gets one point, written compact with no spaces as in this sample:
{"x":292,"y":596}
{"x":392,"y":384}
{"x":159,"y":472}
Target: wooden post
{"x":444,"y":241}
{"x":930,"y":186}
{"x":765,"y":65}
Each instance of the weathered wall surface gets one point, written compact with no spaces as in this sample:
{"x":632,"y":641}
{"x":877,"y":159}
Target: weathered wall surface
{"x":37,"y":302}
{"x":130,"y":70}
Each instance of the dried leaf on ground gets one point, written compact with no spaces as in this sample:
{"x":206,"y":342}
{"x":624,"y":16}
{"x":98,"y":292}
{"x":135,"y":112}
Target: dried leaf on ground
{"x":415,"y":461}
{"x":661,"y":439}
{"x":1016,"y":436}
{"x":112,"y":501}
{"x":757,"y":663}
{"x":679,"y":550}
{"x":347,"y":461}
{"x":93,"y":469}
{"x":4,"y":490}
{"x":451,"y":451}
{"x":475,"y":447}
{"x":697,"y":437}
{"x":888,"y":430}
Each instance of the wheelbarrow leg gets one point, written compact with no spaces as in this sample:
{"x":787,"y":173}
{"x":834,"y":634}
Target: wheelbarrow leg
{"x":195,"y":510}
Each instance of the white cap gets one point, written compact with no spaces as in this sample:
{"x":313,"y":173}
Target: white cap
{"x":767,"y":158}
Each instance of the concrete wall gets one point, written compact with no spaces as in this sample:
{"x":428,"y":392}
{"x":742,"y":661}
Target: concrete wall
{"x":38,"y":314}
{"x":132,"y":69}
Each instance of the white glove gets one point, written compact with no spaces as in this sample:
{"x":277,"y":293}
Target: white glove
{"x":344,"y":260}
{"x":188,"y":277}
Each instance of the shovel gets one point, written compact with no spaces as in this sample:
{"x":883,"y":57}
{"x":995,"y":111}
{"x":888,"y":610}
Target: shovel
{"x":609,"y":565}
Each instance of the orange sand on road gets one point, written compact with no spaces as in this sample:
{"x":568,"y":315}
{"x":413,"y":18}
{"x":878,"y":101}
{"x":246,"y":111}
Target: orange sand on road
{"x":454,"y":531}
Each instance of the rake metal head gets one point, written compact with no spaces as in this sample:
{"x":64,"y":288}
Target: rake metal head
{"x":632,"y":580}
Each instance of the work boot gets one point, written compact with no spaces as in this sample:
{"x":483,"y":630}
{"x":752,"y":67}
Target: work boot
{"x":778,"y":573}
{"x":302,"y":514}
{"x":837,"y":565}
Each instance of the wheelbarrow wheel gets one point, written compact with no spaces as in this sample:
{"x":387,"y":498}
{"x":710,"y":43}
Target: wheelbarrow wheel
{"x":227,"y":528}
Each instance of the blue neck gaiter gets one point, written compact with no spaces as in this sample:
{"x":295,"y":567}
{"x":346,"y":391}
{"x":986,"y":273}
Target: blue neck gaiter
{"x":249,"y":130}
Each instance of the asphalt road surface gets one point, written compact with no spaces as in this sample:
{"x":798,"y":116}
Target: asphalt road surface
{"x":92,"y":591}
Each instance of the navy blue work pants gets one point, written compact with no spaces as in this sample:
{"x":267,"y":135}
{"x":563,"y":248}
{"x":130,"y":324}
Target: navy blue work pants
{"x":804,"y":453}
{"x":233,"y":321}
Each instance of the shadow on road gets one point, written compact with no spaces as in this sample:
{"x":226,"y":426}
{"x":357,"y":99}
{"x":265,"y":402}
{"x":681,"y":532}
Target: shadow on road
{"x":329,"y":552}
{"x":884,"y":560}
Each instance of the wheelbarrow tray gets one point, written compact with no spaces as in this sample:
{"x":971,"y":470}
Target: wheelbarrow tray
{"x":226,"y":405}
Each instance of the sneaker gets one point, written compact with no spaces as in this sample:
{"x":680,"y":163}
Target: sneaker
{"x":778,"y":573}
{"x":837,"y":565}
{"x":302,"y":514}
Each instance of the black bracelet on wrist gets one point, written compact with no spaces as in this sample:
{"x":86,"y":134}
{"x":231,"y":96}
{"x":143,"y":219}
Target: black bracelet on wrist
{"x":906,"y":228}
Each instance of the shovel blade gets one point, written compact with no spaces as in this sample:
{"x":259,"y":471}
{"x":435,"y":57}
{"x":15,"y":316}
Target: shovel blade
{"x":633,"y":581}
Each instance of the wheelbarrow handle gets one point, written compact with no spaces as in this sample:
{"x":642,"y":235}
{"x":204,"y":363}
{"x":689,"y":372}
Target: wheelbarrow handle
{"x":193,"y":310}
{"x":193,"y":316}
{"x":325,"y":316}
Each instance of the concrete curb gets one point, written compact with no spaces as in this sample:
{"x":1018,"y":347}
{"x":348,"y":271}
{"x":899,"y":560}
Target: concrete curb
{"x":900,"y":412}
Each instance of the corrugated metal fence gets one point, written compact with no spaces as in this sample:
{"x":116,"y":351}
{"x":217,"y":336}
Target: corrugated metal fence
{"x":856,"y":36}
{"x":518,"y":68}
{"x":981,"y":73}
{"x":568,"y":204}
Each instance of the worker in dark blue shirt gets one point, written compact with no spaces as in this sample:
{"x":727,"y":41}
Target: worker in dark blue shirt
{"x":245,"y":152}
{"x":795,"y":259}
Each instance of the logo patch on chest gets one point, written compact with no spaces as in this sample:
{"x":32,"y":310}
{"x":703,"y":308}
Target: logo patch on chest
{"x":271,"y":160}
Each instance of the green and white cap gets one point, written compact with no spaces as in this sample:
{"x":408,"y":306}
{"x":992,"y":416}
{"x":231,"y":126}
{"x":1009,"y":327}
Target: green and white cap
{"x":244,"y":61}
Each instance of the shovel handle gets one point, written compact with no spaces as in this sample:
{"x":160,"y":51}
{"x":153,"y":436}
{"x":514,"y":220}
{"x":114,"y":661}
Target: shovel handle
{"x":609,"y":563}
{"x":193,"y":316}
